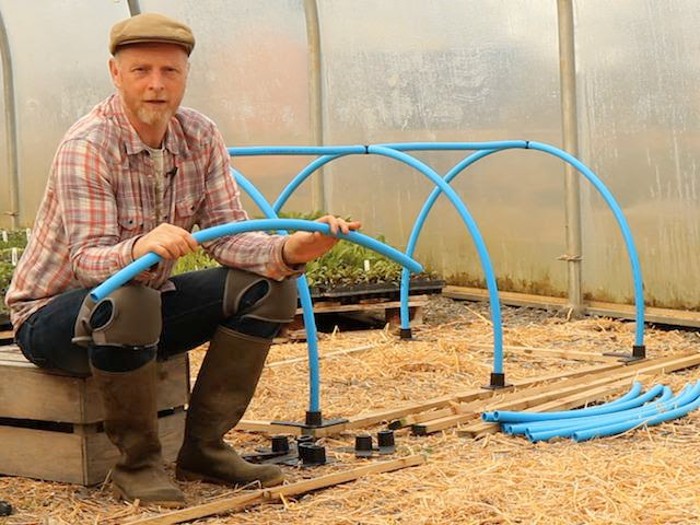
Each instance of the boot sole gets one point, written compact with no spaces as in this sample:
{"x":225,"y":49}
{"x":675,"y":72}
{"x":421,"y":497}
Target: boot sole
{"x":186,"y":475}
{"x":120,"y":495}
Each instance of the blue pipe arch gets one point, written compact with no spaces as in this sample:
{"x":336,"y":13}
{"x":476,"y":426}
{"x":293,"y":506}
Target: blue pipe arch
{"x":330,"y":153}
{"x":397,"y":151}
{"x":485,"y":149}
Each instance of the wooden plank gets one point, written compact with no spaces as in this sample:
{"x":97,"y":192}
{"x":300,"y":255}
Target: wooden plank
{"x":29,"y":392}
{"x":388,"y":415}
{"x":417,"y":300}
{"x":53,"y":456}
{"x":240,"y":502}
{"x":606,"y":309}
{"x":82,"y":458}
{"x":558,"y":353}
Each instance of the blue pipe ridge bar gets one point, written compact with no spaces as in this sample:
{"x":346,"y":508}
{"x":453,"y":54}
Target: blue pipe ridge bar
{"x":456,"y":146}
{"x":143,"y":263}
{"x":249,"y":151}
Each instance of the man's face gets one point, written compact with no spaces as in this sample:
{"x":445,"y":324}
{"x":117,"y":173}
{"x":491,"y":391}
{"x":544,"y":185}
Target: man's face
{"x":151,"y":79}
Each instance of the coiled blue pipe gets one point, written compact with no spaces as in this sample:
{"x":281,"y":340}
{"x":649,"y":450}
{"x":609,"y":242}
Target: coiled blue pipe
{"x":143,"y":263}
{"x":667,"y":414}
{"x":632,"y":396}
{"x":567,"y":427}
{"x":620,"y":415}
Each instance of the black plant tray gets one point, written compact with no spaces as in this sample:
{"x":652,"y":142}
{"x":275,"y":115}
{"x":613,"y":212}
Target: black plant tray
{"x":389,"y":291}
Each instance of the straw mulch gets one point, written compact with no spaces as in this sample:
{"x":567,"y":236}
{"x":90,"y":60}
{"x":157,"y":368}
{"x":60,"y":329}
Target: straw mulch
{"x":647,"y":476}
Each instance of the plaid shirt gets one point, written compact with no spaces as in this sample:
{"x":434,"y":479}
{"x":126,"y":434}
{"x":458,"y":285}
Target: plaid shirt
{"x":100,"y":198}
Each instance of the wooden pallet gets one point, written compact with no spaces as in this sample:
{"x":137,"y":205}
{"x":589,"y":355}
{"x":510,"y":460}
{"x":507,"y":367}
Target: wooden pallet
{"x":378,"y":310}
{"x":51,"y":423}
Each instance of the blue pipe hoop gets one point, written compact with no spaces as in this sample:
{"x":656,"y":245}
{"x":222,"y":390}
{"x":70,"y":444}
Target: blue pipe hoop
{"x":146,"y":261}
{"x":304,"y":298}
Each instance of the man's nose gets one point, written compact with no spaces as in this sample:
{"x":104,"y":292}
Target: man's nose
{"x":155,"y":81}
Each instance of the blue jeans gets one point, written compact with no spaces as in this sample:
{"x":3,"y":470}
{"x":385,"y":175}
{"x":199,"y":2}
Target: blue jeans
{"x":191,"y":314}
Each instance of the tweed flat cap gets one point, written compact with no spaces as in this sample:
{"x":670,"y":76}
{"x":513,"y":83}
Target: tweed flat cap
{"x":150,"y":27}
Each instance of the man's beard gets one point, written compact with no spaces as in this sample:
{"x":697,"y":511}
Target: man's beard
{"x":153,"y":117}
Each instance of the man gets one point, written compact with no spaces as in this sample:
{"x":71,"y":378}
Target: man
{"x":135,"y":176}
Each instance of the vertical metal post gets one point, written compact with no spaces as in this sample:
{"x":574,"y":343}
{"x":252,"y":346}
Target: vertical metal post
{"x":567,"y":78}
{"x":134,"y":7}
{"x":313,"y":36}
{"x":8,"y":89}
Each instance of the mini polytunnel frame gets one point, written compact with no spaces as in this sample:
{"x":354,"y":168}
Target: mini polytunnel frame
{"x":325,"y":154}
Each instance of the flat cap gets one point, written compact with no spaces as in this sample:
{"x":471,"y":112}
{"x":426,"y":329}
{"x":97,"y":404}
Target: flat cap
{"x":150,"y":27}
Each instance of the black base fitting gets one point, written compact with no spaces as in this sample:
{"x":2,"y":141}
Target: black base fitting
{"x":5,"y":508}
{"x":497,"y":381}
{"x":405,"y":333}
{"x":313,"y":420}
{"x":639,"y":352}
{"x":364,"y":447}
{"x":280,"y":452}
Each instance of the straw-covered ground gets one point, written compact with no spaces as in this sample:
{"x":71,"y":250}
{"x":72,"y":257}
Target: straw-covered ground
{"x":646,"y":476}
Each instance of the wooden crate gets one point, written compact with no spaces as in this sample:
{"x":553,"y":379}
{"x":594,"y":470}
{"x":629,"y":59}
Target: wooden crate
{"x":51,"y":423}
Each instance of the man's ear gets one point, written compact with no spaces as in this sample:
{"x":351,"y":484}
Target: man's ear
{"x":114,"y":72}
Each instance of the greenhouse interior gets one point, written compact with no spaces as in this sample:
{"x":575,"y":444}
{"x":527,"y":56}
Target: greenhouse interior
{"x":518,"y":153}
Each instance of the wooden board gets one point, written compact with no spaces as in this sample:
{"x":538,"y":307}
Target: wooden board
{"x":623,"y":311}
{"x":29,"y":392}
{"x":73,"y":457}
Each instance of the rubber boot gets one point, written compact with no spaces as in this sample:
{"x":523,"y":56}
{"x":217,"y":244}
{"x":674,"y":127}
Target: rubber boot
{"x":131,"y":423}
{"x":224,"y":388}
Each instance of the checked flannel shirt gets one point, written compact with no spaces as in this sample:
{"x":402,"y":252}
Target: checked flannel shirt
{"x":100,"y":197}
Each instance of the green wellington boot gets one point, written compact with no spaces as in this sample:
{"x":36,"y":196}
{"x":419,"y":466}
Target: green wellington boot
{"x":131,"y":423}
{"x":224,"y":388}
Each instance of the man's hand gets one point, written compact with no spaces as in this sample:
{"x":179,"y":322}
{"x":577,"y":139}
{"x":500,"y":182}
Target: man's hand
{"x":167,"y":240}
{"x":302,"y":247}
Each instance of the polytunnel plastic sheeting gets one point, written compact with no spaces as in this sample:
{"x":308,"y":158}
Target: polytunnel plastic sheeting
{"x":250,"y":74}
{"x":399,"y":71}
{"x":59,"y":56}
{"x":639,"y":115}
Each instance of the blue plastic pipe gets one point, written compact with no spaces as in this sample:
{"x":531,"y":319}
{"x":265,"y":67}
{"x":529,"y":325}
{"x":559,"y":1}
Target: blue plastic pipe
{"x":570,"y":427}
{"x":494,"y":146}
{"x":250,"y":151}
{"x":143,"y":263}
{"x":304,"y":298}
{"x":456,"y":146}
{"x":566,"y":427}
{"x":476,"y":236}
{"x":621,"y":221}
{"x":418,"y":227}
{"x":667,"y":414}
{"x":301,"y":177}
{"x":627,"y":401}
